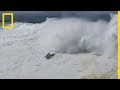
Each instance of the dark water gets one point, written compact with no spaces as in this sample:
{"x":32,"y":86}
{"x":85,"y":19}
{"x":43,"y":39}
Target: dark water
{"x":39,"y":19}
{"x":40,"y":16}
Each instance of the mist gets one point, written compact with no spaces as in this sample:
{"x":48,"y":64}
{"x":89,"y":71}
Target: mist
{"x":74,"y":35}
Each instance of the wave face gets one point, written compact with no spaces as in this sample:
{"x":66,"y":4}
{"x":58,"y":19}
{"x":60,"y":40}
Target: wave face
{"x":85,"y":49}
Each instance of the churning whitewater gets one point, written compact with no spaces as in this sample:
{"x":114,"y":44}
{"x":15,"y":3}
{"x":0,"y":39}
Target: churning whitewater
{"x":84,"y":49}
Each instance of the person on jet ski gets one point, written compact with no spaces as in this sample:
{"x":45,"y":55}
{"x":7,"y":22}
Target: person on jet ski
{"x":49,"y":56}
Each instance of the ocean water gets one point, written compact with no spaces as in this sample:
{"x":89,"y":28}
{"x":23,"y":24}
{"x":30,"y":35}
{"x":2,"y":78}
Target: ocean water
{"x":84,"y":49}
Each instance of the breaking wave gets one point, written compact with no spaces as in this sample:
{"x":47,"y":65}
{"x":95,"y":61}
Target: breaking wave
{"x":23,"y":49}
{"x":69,"y":35}
{"x":74,"y":35}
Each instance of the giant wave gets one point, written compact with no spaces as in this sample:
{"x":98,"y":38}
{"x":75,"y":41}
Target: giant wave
{"x":85,"y":49}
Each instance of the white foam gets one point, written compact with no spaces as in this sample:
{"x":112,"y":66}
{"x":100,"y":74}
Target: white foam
{"x":22,"y":49}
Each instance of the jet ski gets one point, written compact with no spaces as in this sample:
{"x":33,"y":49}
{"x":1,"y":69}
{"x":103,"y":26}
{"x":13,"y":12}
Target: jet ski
{"x":49,"y":55}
